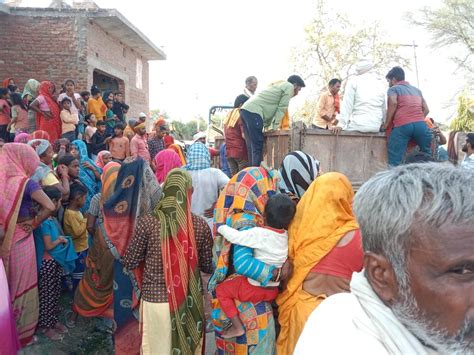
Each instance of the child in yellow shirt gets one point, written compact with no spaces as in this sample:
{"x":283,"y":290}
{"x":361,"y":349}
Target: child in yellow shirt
{"x":75,"y":225}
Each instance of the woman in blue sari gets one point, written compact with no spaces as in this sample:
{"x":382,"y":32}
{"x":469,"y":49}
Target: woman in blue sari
{"x":89,"y":172}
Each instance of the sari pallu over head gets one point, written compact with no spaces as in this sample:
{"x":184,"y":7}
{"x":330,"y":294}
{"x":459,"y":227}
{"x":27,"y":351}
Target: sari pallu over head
{"x":180,"y":152}
{"x":179,"y":251}
{"x":51,"y":125}
{"x":86,"y":176}
{"x":323,"y":216}
{"x":241,"y":205}
{"x":18,"y":161}
{"x":165,"y":161}
{"x":298,"y":170}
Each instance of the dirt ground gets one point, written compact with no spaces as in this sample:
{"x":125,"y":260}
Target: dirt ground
{"x":91,"y":336}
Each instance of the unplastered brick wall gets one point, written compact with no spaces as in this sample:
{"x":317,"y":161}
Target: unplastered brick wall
{"x":43,"y":48}
{"x":110,"y":55}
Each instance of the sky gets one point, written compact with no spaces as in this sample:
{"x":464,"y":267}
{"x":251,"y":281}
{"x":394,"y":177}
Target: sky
{"x":213,"y":45}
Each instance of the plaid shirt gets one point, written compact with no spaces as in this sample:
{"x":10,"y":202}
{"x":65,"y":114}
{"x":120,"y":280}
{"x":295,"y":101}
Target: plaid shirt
{"x":155,"y":146}
{"x":146,"y":245}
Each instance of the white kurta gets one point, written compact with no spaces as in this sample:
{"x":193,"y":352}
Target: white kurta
{"x":357,"y":323}
{"x":364,"y":104}
{"x":207,"y":184}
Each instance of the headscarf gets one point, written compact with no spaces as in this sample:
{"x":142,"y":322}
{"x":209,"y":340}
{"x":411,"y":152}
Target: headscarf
{"x":198,"y":157}
{"x":363,"y":66}
{"x":168,"y":140}
{"x":6,"y":82}
{"x":51,"y":124}
{"x":39,"y":145}
{"x":323,"y":216}
{"x":18,"y":161}
{"x":136,"y":193}
{"x":108,"y":179}
{"x":177,"y":148}
{"x":139,"y":126}
{"x":31,"y":88}
{"x":43,"y":90}
{"x":165,"y":161}
{"x":100,"y":158}
{"x":240,"y":205}
{"x":297,"y":171}
{"x":160,"y":122}
{"x":179,"y":253}
{"x":86,"y":176}
{"x":199,"y":135}
{"x":22,"y":137}
{"x":232,"y":118}
{"x":39,"y":135}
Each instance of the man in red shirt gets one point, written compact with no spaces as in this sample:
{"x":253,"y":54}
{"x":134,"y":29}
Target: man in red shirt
{"x":406,"y":114}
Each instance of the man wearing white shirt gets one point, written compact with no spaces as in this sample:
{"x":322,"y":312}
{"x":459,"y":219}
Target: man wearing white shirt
{"x":415,"y":294}
{"x":364,"y":105}
{"x":468,"y":148}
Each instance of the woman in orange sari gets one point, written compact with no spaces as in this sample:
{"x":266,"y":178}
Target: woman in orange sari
{"x":325,"y":248}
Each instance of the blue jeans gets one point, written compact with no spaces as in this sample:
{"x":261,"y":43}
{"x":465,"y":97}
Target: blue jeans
{"x":398,"y":141}
{"x":253,"y":131}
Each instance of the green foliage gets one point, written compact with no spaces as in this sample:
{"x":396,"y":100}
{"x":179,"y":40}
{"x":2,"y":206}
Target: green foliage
{"x":464,"y":120}
{"x":450,"y":26}
{"x":185,"y":131}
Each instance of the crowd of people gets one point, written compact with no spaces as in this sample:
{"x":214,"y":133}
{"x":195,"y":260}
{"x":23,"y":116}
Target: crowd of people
{"x":127,"y":222}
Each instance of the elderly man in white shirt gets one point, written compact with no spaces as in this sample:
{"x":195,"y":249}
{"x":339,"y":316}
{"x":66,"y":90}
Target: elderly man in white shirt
{"x":415,"y":294}
{"x":364,"y":104}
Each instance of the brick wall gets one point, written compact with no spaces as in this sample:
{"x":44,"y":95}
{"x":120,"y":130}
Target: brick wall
{"x":60,"y":47}
{"x":43,"y":48}
{"x":109,"y":55}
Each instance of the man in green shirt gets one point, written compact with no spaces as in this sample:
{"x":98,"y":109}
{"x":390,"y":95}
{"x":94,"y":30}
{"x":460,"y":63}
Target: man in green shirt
{"x":266,"y":110}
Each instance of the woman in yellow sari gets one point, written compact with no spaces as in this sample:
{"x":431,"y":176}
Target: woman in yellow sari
{"x":324,"y":248}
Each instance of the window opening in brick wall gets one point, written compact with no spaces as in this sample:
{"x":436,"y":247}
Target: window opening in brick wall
{"x":106,"y":82}
{"x":139,"y":74}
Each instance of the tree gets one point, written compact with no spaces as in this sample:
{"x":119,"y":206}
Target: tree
{"x":464,"y":120}
{"x":332,"y":52}
{"x":186,"y":131}
{"x":450,"y":26}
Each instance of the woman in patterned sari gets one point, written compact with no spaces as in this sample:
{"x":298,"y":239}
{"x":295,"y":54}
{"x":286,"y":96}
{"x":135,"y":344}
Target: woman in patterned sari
{"x":89,"y":172}
{"x":94,"y":294}
{"x":241,"y":205}
{"x":17,"y":219}
{"x":136,"y":193}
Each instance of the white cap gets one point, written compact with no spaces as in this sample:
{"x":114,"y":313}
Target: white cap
{"x":198,"y":136}
{"x":363,"y":65}
{"x":142,"y":114}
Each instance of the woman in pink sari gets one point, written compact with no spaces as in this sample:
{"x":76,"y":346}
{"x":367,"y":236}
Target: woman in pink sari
{"x":17,"y":219}
{"x":165,"y":161}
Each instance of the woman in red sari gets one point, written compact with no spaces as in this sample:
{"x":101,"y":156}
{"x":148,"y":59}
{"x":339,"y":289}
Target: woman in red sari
{"x":47,"y":111}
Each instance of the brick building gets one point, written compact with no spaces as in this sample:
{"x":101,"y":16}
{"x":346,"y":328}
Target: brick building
{"x":83,"y":42}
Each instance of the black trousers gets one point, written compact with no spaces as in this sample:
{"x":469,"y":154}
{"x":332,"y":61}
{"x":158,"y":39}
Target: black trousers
{"x":253,"y":131}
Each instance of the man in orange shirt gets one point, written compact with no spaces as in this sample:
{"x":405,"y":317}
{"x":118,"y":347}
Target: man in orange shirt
{"x":328,"y":106}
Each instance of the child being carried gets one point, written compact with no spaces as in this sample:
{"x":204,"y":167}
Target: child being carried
{"x":270,"y":245}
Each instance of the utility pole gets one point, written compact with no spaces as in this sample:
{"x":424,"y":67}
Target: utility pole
{"x":414,"y":45}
